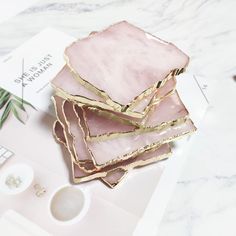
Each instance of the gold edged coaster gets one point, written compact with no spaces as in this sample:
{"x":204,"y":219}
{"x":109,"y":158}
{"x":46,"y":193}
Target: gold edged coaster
{"x":99,"y":127}
{"x":112,"y":175}
{"x":133,"y":112}
{"x":99,"y":149}
{"x":152,"y":43}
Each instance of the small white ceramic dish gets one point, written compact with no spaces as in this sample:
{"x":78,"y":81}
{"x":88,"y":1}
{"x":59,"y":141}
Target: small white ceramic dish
{"x":69,"y":204}
{"x":24,"y":175}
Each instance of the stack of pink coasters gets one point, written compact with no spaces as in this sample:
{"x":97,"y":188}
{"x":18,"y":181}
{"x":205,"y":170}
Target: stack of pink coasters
{"x":116,"y":102}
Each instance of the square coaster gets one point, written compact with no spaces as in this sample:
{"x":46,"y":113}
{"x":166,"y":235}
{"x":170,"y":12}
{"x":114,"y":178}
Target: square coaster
{"x":127,"y":64}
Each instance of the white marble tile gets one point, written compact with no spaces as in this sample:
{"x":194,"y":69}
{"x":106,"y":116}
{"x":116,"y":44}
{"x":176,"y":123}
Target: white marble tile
{"x":204,"y":199}
{"x":10,"y":8}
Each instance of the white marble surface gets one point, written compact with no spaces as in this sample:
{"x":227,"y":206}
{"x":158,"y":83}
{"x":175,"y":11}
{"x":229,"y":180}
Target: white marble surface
{"x":10,"y":8}
{"x":204,"y":201}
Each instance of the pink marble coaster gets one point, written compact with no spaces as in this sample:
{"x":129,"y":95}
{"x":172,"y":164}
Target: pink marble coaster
{"x":116,"y":102}
{"x":68,"y":87}
{"x":121,"y":65}
{"x":106,"y":152}
{"x":113,"y":174}
{"x":168,"y":112}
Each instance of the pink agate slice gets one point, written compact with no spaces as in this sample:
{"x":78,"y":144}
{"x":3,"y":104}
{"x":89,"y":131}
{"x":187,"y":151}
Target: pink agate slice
{"x":119,"y":148}
{"x":112,"y":178}
{"x":159,"y":93}
{"x":123,"y":60}
{"x":143,"y":159}
{"x":65,"y":81}
{"x":100,"y":125}
{"x":74,"y":133}
{"x":169,"y":109}
{"x":58,"y":103}
{"x":113,"y":174}
{"x":112,"y":149}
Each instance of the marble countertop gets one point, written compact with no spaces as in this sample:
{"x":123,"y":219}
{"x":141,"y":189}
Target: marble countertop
{"x":204,"y":200}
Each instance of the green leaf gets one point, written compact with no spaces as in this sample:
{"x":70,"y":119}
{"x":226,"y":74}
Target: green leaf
{"x":13,"y":104}
{"x":6,"y":113}
{"x":2,"y":91}
{"x":4,"y":98}
{"x":15,"y":112}
{"x":24,"y":102}
{"x":18,"y":104}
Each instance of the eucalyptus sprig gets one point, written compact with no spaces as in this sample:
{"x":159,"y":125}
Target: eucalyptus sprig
{"x":11,"y":103}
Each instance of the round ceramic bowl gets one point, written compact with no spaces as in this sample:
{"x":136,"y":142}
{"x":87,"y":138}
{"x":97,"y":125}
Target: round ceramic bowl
{"x":16,"y":179}
{"x":69,"y":204}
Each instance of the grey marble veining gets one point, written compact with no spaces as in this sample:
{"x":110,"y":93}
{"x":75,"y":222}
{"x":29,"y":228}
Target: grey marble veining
{"x":204,"y":201}
{"x":198,"y":27}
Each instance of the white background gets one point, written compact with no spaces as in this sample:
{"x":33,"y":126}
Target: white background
{"x":10,"y":8}
{"x":204,"y":201}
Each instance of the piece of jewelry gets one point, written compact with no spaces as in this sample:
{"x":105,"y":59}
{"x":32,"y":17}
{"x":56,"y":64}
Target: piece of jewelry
{"x":39,"y":191}
{"x":13,"y":182}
